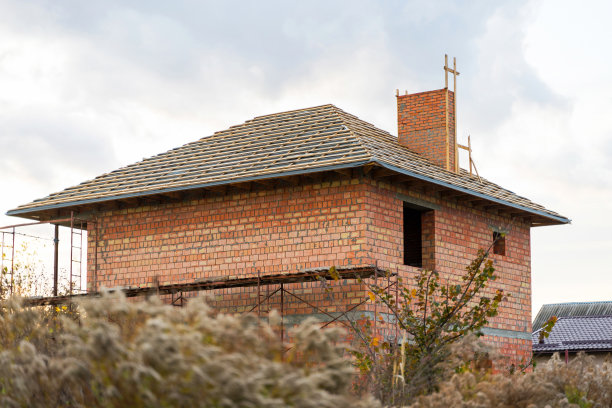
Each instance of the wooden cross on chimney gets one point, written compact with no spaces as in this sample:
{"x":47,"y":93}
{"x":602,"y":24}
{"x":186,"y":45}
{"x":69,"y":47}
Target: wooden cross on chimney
{"x":455,"y":73}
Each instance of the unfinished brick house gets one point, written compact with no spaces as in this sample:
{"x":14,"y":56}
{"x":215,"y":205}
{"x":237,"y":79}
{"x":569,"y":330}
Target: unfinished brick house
{"x":302,"y":190}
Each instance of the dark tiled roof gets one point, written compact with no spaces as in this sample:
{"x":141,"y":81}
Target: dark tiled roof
{"x":577,"y":333}
{"x":295,"y":142}
{"x":571,"y":309}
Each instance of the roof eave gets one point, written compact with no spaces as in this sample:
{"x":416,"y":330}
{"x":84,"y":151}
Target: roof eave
{"x":31,"y":212}
{"x":571,"y":350}
{"x":557,"y":220}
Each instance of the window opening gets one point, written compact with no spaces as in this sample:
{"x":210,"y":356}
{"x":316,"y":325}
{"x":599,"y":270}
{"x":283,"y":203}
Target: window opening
{"x":499,"y":243}
{"x":413,"y":240}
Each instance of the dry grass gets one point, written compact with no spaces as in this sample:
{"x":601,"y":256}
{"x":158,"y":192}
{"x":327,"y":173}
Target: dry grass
{"x":146,"y":354}
{"x":113,"y":353}
{"x":581,"y":383}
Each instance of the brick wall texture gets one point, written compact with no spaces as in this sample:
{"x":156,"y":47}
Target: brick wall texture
{"x":341,"y":222}
{"x":421,"y":120}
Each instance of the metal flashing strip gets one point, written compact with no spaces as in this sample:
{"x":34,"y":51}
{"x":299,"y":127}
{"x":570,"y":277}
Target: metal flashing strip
{"x":322,"y":318}
{"x":18,"y":211}
{"x":509,"y":334}
{"x":474,"y":193}
{"x":388,"y":318}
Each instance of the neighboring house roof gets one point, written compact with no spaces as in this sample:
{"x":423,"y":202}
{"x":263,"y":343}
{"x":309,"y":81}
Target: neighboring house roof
{"x":571,"y":309}
{"x":288,"y":143}
{"x":576,"y":333}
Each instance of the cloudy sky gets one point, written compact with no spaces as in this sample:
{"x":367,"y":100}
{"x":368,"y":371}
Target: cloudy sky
{"x":86,"y":87}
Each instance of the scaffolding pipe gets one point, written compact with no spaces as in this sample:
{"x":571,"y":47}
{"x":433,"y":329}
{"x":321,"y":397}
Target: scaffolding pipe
{"x":309,"y":275}
{"x":95,"y":271}
{"x":396,"y":303}
{"x":375,"y":303}
{"x":282,"y":310}
{"x":267,"y":298}
{"x":81,"y":259}
{"x":35,"y":223}
{"x":258,"y":294}
{"x":2,"y":254}
{"x":12,"y":261}
{"x":55,"y":259}
{"x":71,"y":245}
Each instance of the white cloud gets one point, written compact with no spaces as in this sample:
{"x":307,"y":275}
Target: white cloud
{"x":87,"y":87}
{"x":555,"y":139}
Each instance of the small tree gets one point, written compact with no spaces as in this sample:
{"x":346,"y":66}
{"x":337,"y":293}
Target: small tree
{"x":432,"y":315}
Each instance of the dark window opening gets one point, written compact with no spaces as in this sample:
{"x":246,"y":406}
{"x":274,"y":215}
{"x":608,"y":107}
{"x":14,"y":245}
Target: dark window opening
{"x":499,"y":243}
{"x":413,"y":241}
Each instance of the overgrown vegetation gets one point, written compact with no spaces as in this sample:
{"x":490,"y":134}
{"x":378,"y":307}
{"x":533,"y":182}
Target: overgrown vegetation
{"x":114,"y":353}
{"x":26,"y":275}
{"x":432,"y":315}
{"x":109,"y":352}
{"x":582,"y":383}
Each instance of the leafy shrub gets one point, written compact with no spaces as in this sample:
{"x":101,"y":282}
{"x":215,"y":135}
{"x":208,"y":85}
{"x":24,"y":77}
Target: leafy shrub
{"x":433,"y":315}
{"x":114,"y":353}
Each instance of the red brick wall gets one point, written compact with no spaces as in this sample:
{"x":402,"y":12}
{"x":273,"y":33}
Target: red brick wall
{"x":458,"y":232}
{"x":421,"y":119}
{"x":514,"y":351}
{"x":269,"y":230}
{"x":342,"y":223}
{"x":281,"y":230}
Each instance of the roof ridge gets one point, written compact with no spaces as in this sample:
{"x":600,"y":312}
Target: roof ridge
{"x":392,"y":138}
{"x":577,"y":303}
{"x":342,"y":115}
{"x":326,"y":105}
{"x":585,"y":317}
{"x":418,"y":156}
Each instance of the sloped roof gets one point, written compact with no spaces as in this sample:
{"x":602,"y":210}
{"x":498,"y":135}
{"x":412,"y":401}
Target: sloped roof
{"x":577,"y":333}
{"x":571,"y":309}
{"x":288,"y":143}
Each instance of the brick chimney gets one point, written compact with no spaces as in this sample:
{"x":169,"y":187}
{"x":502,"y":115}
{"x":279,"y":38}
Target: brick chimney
{"x":421,"y":122}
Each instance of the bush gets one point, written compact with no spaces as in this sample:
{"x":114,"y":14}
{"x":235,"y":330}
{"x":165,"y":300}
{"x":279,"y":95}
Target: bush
{"x":433,"y":315}
{"x":581,"y":383}
{"x":114,"y":353}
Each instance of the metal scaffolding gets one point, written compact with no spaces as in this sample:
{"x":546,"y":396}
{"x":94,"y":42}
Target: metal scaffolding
{"x":77,"y":227}
{"x":177,"y":291}
{"x":267,"y":285}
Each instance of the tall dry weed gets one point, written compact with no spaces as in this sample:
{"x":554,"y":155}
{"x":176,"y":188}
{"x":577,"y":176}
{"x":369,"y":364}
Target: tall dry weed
{"x":581,"y":383}
{"x":114,"y":353}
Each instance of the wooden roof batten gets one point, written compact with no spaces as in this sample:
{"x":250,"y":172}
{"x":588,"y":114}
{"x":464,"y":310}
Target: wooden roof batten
{"x":305,"y":142}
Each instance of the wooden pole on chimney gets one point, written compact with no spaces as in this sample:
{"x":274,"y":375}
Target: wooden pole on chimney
{"x":447,"y":69}
{"x":446,"y":109}
{"x":470,"y":152}
{"x":455,"y":73}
